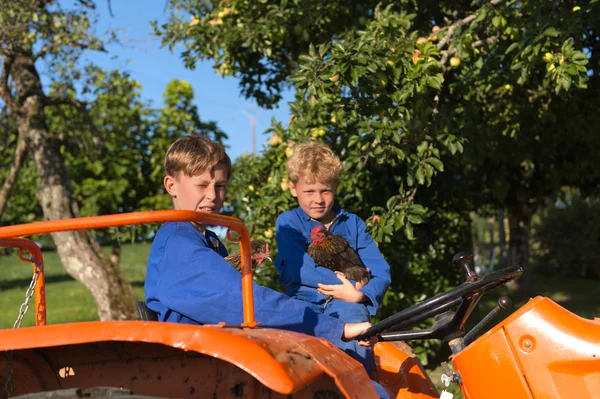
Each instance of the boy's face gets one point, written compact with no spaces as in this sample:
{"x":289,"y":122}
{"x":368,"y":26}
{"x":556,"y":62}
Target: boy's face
{"x":315,"y":199}
{"x":202,"y":193}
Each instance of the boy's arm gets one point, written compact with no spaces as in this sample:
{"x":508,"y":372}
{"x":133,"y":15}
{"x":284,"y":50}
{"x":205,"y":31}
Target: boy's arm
{"x":380,"y":270}
{"x":294,"y":265}
{"x":197,"y":283}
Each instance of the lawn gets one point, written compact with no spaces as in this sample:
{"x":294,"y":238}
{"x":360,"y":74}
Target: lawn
{"x":66,"y":299}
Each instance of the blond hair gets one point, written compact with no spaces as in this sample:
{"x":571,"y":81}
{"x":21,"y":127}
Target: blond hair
{"x":195,"y":154}
{"x":314,"y":162}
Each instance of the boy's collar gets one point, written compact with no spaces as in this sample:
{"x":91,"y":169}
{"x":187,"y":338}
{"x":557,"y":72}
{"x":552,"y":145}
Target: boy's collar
{"x":336,"y":209}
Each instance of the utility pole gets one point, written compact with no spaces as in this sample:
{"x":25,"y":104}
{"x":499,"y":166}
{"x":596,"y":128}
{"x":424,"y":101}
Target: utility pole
{"x":252,"y":127}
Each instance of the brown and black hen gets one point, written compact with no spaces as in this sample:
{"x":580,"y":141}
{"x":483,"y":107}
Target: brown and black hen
{"x":333,"y":252}
{"x":260,"y":253}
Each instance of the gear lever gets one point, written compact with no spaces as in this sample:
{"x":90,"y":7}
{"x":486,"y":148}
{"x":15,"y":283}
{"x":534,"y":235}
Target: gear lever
{"x":504,"y":302}
{"x":465,"y":261}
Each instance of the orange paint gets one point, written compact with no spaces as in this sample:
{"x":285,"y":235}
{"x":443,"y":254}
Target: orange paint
{"x":283,"y":361}
{"x":126,"y":219}
{"x":540,"y":351}
{"x":400,"y":372}
{"x":37,"y":263}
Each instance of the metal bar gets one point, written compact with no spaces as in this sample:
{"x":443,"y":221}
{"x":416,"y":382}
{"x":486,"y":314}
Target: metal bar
{"x":40,"y":288}
{"x":125,"y":219}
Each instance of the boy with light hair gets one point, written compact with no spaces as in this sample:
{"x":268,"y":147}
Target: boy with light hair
{"x":187,"y":279}
{"x":314,"y":174}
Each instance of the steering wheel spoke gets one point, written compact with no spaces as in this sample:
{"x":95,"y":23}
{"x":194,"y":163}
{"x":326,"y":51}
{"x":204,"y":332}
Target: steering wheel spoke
{"x":465,"y":296}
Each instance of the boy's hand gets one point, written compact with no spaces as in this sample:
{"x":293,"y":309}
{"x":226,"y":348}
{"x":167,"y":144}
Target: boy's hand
{"x":343,"y":292}
{"x":352,"y":330}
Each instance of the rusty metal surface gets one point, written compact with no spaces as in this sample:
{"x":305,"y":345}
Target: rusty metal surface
{"x":283,"y":361}
{"x":145,"y":369}
{"x":400,"y":372}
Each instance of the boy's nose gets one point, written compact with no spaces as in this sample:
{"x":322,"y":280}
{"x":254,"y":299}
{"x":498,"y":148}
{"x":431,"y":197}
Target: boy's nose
{"x":210,"y":192}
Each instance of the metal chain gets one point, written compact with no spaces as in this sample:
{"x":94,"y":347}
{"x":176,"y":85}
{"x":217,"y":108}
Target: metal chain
{"x":28,"y":295}
{"x":8,"y":387}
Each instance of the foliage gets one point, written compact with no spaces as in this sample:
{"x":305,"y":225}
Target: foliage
{"x":568,"y":235}
{"x":179,"y":116}
{"x":436,"y":109}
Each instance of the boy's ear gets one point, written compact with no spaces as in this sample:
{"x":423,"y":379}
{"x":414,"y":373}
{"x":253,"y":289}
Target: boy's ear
{"x":292,"y":189}
{"x":170,"y":184}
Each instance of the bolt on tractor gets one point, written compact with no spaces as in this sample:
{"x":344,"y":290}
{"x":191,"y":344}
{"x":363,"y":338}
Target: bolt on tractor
{"x":540,"y":351}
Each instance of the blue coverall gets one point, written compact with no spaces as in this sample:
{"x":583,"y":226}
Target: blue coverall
{"x":301,"y":275}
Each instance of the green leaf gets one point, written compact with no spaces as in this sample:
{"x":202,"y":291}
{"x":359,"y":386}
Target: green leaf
{"x":551,"y":31}
{"x":436,"y":163}
{"x":415,"y":219}
{"x":565,"y":82}
{"x":420,"y":175}
{"x":408,"y":230}
{"x":511,"y":47}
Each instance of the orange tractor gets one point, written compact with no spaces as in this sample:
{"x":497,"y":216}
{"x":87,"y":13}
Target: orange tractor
{"x":540,"y":351}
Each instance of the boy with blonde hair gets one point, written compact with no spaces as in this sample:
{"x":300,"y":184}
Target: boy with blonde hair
{"x":187,"y":279}
{"x":314,"y":174}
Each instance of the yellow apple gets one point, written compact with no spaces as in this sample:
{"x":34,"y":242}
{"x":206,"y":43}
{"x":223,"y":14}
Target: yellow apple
{"x":275,"y":140}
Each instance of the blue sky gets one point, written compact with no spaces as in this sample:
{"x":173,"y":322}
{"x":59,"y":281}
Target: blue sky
{"x":140,"y":54}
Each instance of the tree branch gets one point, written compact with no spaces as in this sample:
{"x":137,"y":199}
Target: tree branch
{"x":450,"y":29}
{"x":451,"y":51}
{"x":110,"y":11}
{"x":83,"y":46}
{"x":82,"y":107}
{"x":88,"y":4}
{"x":13,"y":173}
{"x":4,"y":89}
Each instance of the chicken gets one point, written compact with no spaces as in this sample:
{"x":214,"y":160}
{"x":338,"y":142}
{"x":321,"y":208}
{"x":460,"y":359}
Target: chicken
{"x":334,"y":252}
{"x":259,"y":253}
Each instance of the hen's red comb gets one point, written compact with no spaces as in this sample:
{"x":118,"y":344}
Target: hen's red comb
{"x":315,"y":230}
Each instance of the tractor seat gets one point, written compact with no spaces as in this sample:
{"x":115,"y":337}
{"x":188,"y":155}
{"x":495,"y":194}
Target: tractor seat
{"x":146,"y":314}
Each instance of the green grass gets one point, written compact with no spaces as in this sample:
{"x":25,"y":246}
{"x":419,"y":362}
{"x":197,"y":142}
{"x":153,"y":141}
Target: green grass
{"x":67,"y":300}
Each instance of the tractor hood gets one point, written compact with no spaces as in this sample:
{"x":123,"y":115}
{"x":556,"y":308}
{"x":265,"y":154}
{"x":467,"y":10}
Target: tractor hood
{"x":283,"y":361}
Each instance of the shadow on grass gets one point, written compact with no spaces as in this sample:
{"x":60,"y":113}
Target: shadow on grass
{"x":24,"y":282}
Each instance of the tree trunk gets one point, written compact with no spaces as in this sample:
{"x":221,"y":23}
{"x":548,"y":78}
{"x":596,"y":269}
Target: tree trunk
{"x":81,"y":256}
{"x":520,"y":213}
{"x":13,"y":173}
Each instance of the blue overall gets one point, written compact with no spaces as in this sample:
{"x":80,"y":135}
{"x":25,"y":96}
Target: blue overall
{"x":188,"y":281}
{"x":301,"y":275}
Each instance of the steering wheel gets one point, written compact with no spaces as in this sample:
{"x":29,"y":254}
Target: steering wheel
{"x":448,"y":325}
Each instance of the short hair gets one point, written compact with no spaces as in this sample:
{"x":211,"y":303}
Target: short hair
{"x":314,"y":162}
{"x":195,"y":154}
